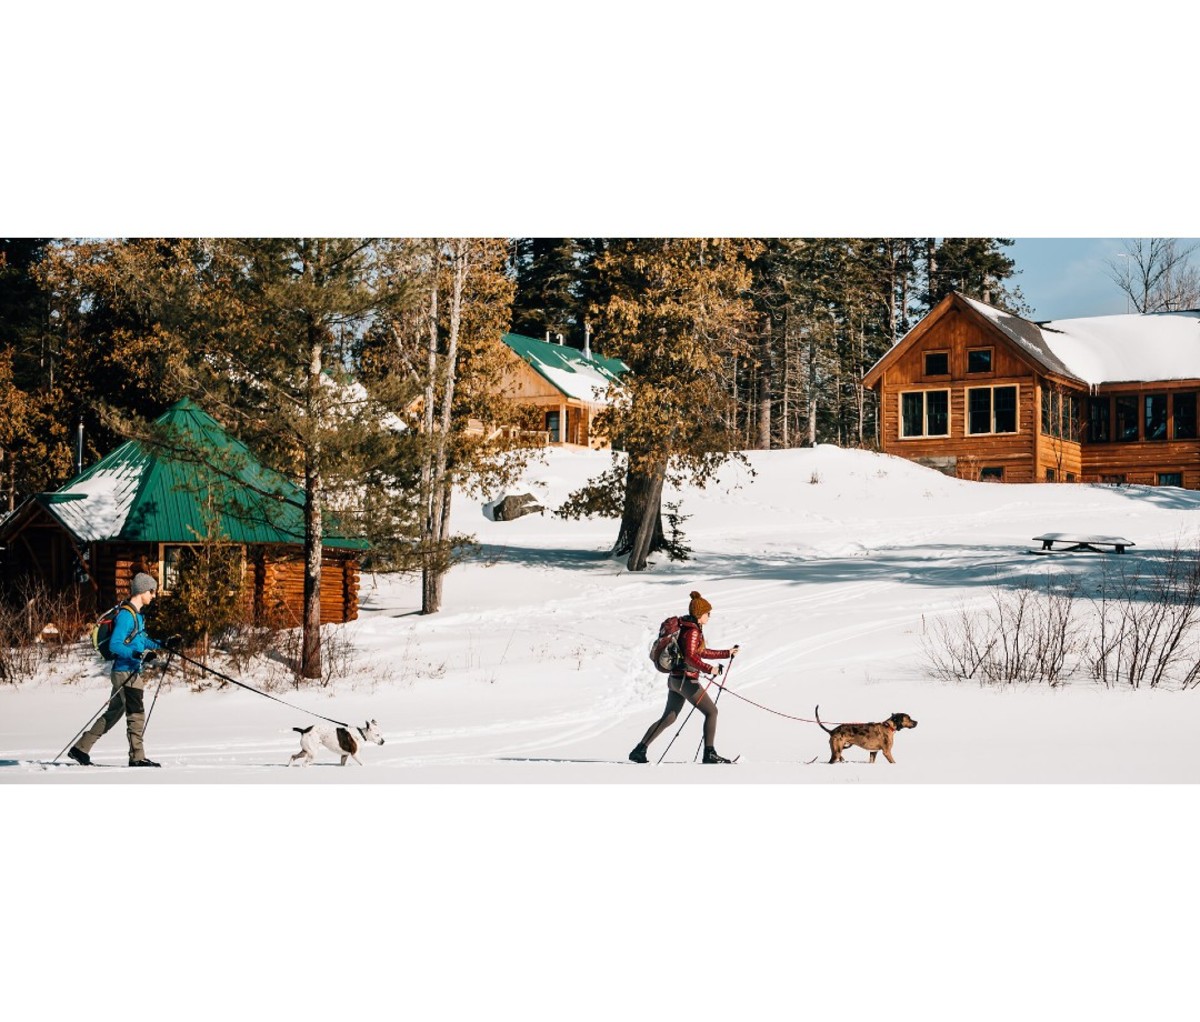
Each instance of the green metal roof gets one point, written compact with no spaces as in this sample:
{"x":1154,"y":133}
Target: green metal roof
{"x":159,"y":494}
{"x":565,"y":368}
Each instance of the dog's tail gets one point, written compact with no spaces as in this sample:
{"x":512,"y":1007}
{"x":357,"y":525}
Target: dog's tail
{"x":303,"y":730}
{"x":817,"y":714}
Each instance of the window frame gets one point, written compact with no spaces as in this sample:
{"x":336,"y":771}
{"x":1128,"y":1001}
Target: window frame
{"x":1158,"y":395}
{"x":925,"y":362}
{"x":166,"y":584}
{"x":926,"y":435}
{"x":991,"y":361}
{"x":1095,"y":404}
{"x":991,"y":389}
{"x":1174,"y":414}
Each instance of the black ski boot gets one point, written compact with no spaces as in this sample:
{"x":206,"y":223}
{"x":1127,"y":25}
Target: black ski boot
{"x":144,"y":762}
{"x":712,"y":756}
{"x":639,"y":754}
{"x":80,"y":757}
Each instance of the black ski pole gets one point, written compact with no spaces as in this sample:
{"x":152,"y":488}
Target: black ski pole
{"x":677,"y":733}
{"x":684,"y":724}
{"x":162,"y":673}
{"x":95,"y":716}
{"x":720,"y":689}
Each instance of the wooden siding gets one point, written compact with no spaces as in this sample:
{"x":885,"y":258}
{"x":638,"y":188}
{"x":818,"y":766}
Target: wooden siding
{"x":1029,"y":454}
{"x":523,"y":385}
{"x":961,"y":453}
{"x":1142,"y":461}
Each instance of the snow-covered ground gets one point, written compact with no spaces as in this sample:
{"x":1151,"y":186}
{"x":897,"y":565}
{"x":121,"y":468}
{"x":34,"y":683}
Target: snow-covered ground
{"x":827,"y":568}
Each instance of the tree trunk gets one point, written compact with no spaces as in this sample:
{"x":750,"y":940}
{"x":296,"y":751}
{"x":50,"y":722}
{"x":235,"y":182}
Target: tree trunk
{"x":787,"y":375}
{"x":437,"y":561}
{"x":430,"y":590}
{"x":310,"y":656}
{"x":651,"y":520}
{"x":765,"y":380}
{"x":641,"y":500}
{"x":812,"y":390}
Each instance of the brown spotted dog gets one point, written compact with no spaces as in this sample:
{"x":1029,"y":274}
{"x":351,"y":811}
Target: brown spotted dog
{"x":346,"y":740}
{"x":872,"y":737}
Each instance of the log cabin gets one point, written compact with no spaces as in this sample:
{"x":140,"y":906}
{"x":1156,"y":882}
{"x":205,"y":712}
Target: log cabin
{"x":980,"y":393}
{"x":144,"y":504}
{"x":567,"y":386}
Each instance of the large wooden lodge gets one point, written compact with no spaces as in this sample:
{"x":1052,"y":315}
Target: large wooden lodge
{"x":983,"y":394}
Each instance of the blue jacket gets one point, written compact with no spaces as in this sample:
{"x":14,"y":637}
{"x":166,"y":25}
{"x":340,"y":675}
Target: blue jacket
{"x":129,"y":640}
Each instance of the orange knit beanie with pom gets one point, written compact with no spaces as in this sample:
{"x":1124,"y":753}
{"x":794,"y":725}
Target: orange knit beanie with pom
{"x":699,"y":605}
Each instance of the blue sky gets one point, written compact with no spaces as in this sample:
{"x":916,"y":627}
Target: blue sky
{"x":1062,"y":278}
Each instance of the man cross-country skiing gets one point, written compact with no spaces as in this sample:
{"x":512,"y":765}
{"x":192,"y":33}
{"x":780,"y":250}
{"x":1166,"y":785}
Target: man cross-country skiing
{"x":683,"y":682}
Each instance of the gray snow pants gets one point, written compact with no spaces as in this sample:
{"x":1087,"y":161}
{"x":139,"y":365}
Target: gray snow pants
{"x":127,"y":701}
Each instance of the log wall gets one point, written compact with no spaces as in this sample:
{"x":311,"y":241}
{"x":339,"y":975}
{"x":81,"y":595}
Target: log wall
{"x":1029,"y":455}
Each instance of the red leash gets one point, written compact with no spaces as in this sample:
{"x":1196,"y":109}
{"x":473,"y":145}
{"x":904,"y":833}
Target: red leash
{"x":780,"y":713}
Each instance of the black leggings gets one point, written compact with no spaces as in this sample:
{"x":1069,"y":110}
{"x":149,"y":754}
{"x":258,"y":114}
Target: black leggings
{"x":694,"y":694}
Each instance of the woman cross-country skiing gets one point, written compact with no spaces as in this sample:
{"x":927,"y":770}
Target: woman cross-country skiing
{"x":683,"y":682}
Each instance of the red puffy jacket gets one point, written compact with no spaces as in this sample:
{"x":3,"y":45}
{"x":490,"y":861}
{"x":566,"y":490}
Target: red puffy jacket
{"x":691,"y":645}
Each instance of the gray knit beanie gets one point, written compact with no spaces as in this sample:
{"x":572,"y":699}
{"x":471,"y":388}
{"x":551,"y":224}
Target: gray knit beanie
{"x":143,"y":583}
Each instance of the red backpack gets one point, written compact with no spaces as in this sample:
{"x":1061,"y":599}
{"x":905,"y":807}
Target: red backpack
{"x":665,"y":653}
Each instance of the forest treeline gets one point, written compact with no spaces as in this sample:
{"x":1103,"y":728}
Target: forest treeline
{"x":304,"y":348}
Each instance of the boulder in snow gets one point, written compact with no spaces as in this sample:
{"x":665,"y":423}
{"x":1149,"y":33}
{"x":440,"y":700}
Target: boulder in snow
{"x":511,"y":506}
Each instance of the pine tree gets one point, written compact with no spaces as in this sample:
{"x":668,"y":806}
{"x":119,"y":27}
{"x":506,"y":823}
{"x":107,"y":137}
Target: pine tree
{"x":675,"y":311}
{"x":547,"y":297}
{"x":975,"y":267}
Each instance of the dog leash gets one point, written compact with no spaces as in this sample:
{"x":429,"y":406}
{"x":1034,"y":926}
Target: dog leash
{"x":780,"y":713}
{"x":251,"y":688}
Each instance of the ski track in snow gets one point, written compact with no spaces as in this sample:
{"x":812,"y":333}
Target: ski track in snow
{"x":537,"y":668}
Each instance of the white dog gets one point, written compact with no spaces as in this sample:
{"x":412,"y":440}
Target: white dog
{"x":346,"y":740}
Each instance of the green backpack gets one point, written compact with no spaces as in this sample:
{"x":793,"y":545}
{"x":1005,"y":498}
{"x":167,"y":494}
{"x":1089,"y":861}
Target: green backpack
{"x":103,"y":628}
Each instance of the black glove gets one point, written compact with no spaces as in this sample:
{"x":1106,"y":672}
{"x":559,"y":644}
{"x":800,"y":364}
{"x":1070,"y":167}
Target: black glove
{"x":720,"y":669}
{"x":149,"y":657}
{"x":173,"y":643}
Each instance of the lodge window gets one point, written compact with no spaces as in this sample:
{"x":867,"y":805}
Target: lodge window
{"x":991,"y":410}
{"x":1049,"y":475}
{"x":992,"y":474}
{"x":1156,"y":416}
{"x":1127,"y":418}
{"x":937,"y":363}
{"x":979,"y":360}
{"x":925,"y":413}
{"x":1060,"y":413}
{"x":172,"y":564}
{"x":174,"y":559}
{"x":1184,"y":407}
{"x":1170,"y":479}
{"x":552,"y":426}
{"x":1099,"y":419}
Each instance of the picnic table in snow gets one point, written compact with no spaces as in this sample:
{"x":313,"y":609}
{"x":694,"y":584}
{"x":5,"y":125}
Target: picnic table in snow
{"x":1068,"y":541}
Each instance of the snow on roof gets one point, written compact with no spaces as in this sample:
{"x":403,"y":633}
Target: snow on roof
{"x":1116,"y":349}
{"x":584,"y":377}
{"x":579,"y":382}
{"x":1148,"y":347}
{"x":109,"y":496}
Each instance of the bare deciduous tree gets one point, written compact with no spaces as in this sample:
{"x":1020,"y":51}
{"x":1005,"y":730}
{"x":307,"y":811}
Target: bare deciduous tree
{"x":1156,"y":274}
